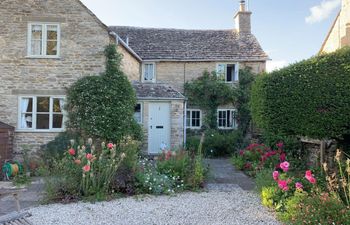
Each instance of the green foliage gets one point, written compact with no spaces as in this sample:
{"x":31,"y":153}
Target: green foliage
{"x":246,"y":78}
{"x":102,"y":106}
{"x":221,"y":143}
{"x":310,"y":98}
{"x":238,"y":161}
{"x":264,"y":179}
{"x":319,"y":209}
{"x":209,"y":92}
{"x":56,"y":147}
{"x":174,"y":163}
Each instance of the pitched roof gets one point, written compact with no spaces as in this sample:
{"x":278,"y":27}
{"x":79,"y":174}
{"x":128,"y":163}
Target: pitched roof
{"x":187,"y":45}
{"x":156,"y":91}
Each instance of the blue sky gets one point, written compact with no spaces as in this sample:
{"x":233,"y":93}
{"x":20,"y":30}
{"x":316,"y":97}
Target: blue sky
{"x":288,"y":30}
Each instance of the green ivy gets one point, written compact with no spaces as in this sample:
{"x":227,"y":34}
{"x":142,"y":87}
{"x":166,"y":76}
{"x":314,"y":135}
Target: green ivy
{"x":102,"y":106}
{"x":310,"y":98}
{"x":209,"y":92}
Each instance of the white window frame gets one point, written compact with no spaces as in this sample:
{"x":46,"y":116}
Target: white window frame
{"x":44,"y":40}
{"x":143,"y":72}
{"x":190,"y":118}
{"x":234,"y":122}
{"x":34,"y":116}
{"x":141,"y":111}
{"x":235,"y":75}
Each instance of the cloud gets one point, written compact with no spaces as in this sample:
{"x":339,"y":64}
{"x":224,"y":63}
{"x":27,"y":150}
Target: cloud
{"x":322,"y":11}
{"x":275,"y":65}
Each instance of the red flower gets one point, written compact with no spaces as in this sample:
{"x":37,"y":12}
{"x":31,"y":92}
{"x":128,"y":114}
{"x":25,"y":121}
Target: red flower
{"x":282,"y":184}
{"x":241,"y":152}
{"x":110,"y":145}
{"x":89,"y":156}
{"x":71,"y":151}
{"x":86,"y":168}
{"x":283,"y":157}
{"x":275,"y":175}
{"x":248,"y":165}
{"x":310,"y":177}
{"x":279,"y":145}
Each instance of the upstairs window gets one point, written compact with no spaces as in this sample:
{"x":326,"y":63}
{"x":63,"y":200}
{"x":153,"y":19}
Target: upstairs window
{"x":228,"y":72}
{"x":148,"y":72}
{"x":227,"y":119}
{"x":43,"y":40}
{"x":193,"y":118}
{"x":41,"y":113}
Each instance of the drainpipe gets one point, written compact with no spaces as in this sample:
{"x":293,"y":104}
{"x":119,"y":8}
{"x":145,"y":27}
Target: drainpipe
{"x":185,"y":119}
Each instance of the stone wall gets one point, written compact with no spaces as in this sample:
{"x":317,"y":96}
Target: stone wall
{"x":339,"y":35}
{"x":130,"y":65}
{"x":83,"y":39}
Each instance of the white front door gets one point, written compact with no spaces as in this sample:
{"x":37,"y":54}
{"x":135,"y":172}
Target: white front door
{"x":158,"y":127}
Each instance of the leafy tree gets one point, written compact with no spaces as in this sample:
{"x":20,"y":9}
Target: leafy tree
{"x":102,"y":106}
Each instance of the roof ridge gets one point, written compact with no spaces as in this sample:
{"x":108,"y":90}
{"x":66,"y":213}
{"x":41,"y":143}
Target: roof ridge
{"x":179,"y":29}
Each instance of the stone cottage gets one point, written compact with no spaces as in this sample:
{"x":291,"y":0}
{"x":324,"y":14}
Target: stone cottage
{"x":161,"y":61}
{"x":339,"y":34}
{"x":46,"y":45}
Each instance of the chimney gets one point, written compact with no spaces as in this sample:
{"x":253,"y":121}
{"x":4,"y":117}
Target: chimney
{"x":242,"y":19}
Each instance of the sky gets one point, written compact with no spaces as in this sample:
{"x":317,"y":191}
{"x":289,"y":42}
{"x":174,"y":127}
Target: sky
{"x":288,"y":30}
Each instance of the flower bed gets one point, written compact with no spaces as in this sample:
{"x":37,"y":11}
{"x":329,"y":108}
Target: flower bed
{"x":295,"y":194}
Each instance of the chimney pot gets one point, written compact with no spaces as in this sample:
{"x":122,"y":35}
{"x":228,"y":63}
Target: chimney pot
{"x":242,"y":6}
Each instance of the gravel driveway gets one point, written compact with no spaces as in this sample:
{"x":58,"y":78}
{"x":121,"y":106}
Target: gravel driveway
{"x":212,"y":207}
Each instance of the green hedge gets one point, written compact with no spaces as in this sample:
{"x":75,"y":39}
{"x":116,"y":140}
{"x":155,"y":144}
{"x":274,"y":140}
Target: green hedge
{"x":309,"y":98}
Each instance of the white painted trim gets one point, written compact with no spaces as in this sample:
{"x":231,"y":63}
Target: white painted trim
{"x":236,"y":72}
{"x":217,"y":118}
{"x":34,"y":113}
{"x":154,"y":73}
{"x":44,"y":40}
{"x":200,"y":119}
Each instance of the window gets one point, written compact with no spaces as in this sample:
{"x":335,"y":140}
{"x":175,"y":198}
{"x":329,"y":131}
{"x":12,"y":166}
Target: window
{"x":138,"y":113}
{"x":193,"y":118}
{"x":227,"y":119}
{"x":148,"y":74}
{"x":228,"y":72}
{"x":41,"y":113}
{"x":43,"y":40}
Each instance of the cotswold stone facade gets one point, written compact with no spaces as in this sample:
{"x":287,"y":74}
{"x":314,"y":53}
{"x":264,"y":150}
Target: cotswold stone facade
{"x":339,"y":34}
{"x":82,"y":41}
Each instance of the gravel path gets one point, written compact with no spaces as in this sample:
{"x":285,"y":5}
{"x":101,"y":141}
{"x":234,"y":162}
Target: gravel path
{"x":224,"y":202}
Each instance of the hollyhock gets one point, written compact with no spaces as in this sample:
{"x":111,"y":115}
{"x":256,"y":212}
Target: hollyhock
{"x":110,"y":145}
{"x":71,"y":151}
{"x":86,"y":168}
{"x":284,"y":166}
{"x":275,"y":175}
{"x":89,"y":156}
{"x":299,"y":186}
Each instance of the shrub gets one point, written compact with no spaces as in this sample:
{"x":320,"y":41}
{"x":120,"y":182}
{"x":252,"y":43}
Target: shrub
{"x":309,"y":98}
{"x":264,"y":179}
{"x":221,"y":143}
{"x":102,"y":106}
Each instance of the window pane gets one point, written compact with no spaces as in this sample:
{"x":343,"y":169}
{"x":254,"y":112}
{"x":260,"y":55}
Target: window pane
{"x":57,"y":121}
{"x":148,"y":73}
{"x":27,"y":121}
{"x":137,"y":113}
{"x":36,"y":47}
{"x":57,"y":105}
{"x":51,"y":48}
{"x":37,"y":31}
{"x":36,"y":40}
{"x":52,"y":32}
{"x":43,"y":104}
{"x":42,"y":121}
{"x":230,"y":73}
{"x":220,"y":70}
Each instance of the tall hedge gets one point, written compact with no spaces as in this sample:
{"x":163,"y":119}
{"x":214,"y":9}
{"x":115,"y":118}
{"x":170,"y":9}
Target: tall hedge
{"x":310,"y":98}
{"x":103,"y":105}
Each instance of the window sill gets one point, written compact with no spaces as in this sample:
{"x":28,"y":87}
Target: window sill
{"x":194,"y":128}
{"x":39,"y":131}
{"x":42,"y":57}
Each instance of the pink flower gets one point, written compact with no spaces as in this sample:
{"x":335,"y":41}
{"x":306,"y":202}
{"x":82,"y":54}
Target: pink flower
{"x":275,"y":175}
{"x":89,"y":156}
{"x":71,"y":151}
{"x":110,"y":145}
{"x":283,"y":184}
{"x":279,"y":145}
{"x":86,"y":168}
{"x":284,"y":166}
{"x":310,"y":177}
{"x":283,"y":157}
{"x":299,"y":186}
{"x":241,"y":152}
